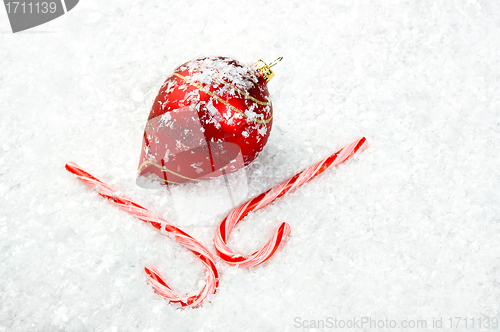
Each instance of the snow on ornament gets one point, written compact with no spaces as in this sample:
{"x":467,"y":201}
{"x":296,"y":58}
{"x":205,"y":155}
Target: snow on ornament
{"x":212,"y":116}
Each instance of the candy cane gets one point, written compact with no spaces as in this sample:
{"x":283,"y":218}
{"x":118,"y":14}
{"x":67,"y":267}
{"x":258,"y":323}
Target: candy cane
{"x":268,"y":197}
{"x":177,"y":234}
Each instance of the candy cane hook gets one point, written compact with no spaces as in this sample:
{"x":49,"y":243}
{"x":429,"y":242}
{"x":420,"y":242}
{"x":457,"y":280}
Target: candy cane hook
{"x":177,"y":234}
{"x":268,"y":197}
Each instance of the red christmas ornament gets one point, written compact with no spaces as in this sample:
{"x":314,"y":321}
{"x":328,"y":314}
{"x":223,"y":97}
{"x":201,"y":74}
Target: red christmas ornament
{"x":212,"y":116}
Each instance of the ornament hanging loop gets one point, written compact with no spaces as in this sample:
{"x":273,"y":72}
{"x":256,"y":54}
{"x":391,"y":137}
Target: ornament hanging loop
{"x":265,"y":69}
{"x":275,"y":62}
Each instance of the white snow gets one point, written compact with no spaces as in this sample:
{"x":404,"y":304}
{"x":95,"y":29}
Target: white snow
{"x":407,"y":229}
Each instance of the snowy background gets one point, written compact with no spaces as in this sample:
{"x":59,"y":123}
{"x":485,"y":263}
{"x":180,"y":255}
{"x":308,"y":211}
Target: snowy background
{"x":407,"y":229}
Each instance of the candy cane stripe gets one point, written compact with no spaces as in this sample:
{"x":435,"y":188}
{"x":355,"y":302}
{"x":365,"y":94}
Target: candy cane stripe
{"x":158,"y":283}
{"x":282,"y":233}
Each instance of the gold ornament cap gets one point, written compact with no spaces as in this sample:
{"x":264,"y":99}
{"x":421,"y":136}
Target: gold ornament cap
{"x":265,"y":70}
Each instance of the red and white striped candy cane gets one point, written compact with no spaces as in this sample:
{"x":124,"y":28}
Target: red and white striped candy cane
{"x":268,"y":197}
{"x":177,"y":234}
